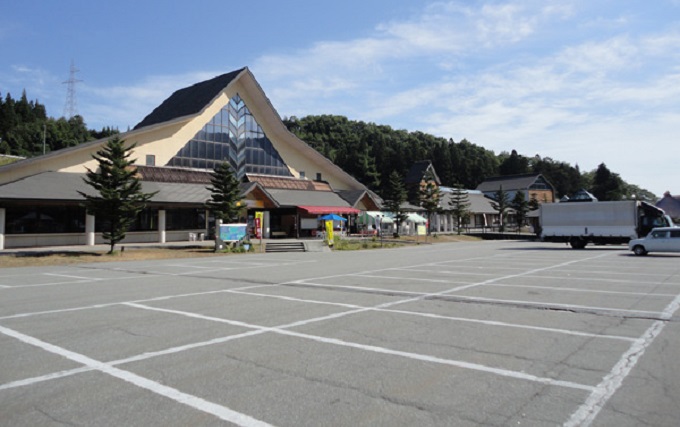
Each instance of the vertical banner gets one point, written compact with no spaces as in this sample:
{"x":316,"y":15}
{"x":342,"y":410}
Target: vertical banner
{"x":329,"y":232}
{"x":258,"y":224}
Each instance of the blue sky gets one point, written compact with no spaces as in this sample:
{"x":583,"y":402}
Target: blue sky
{"x":580,"y":81}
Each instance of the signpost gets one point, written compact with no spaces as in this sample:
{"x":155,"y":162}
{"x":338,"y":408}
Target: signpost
{"x":258,"y":226}
{"x":232,"y":232}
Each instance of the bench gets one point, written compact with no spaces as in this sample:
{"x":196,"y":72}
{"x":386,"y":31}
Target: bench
{"x":276,"y":234}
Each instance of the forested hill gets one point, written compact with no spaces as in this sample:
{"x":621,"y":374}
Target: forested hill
{"x":370,"y":152}
{"x":24,"y":127}
{"x":367,"y":151}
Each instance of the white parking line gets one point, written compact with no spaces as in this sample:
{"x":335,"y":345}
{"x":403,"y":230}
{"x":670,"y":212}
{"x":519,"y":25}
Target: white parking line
{"x":441,"y":317}
{"x":598,"y":396}
{"x":71,"y":276}
{"x":587,"y":412}
{"x":375,"y":349}
{"x":195,"y":402}
{"x":594,"y":291}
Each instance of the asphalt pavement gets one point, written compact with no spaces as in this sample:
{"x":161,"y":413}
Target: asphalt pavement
{"x":466,"y":334}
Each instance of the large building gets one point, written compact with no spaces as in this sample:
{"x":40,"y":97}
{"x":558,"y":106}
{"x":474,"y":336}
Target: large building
{"x":228,"y":118}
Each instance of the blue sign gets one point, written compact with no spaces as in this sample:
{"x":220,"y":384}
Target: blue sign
{"x":233,"y":232}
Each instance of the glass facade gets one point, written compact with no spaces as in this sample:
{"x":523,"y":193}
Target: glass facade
{"x":44,"y":219}
{"x":184,"y":219}
{"x":233,"y":135}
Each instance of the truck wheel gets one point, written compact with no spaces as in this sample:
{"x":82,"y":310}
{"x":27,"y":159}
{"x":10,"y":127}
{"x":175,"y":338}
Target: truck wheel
{"x":639,"y":250}
{"x":577,"y":243}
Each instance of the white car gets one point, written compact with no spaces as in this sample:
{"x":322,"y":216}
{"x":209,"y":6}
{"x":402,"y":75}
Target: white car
{"x":662,"y":239}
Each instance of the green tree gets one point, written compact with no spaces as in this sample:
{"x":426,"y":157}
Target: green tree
{"x":120,"y":197}
{"x":607,"y":186}
{"x":460,"y":206}
{"x":395,"y":195}
{"x":513,"y":164}
{"x":521,"y":208}
{"x":429,"y":197}
{"x":226,"y":195}
{"x":501,"y":204}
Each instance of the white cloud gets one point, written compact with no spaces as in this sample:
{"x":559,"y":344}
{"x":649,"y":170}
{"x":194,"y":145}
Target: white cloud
{"x":503,"y":74}
{"x":128,"y":105}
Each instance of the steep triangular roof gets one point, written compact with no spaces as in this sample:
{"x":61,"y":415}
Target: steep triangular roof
{"x":182,"y":110}
{"x":419,"y":170}
{"x":189,"y":101}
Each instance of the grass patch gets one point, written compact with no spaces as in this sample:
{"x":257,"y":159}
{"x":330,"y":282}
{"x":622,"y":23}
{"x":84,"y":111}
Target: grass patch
{"x":48,"y":258}
{"x":356,"y":245}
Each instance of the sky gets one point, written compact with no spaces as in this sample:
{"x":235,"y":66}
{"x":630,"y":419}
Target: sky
{"x":580,"y":81}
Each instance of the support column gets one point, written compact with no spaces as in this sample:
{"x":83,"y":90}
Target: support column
{"x":89,"y":230}
{"x":2,"y":228}
{"x":161,"y":226}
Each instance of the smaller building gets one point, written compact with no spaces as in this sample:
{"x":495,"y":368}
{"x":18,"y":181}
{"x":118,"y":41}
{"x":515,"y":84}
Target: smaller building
{"x":671,"y":205}
{"x":534,"y":186}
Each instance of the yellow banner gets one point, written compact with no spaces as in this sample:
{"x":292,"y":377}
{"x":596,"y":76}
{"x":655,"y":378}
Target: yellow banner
{"x":329,"y":232}
{"x":259,"y":224}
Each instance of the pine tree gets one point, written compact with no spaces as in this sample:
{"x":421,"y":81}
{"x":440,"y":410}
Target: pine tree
{"x":429,"y":197}
{"x":460,"y":206}
{"x":501,"y":204}
{"x":521,"y":208}
{"x":395,"y":195}
{"x":120,"y":197}
{"x":226,"y":193}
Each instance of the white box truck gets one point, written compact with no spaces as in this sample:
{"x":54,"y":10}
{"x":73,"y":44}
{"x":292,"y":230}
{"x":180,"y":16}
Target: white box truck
{"x":600,"y":223}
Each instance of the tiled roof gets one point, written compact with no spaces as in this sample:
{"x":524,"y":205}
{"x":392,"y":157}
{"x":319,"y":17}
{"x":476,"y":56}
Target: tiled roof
{"x":166,"y":174}
{"x":270,"y":181}
{"x":188,"y":101}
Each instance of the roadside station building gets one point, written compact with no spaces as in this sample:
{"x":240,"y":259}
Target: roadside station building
{"x":227,"y":118}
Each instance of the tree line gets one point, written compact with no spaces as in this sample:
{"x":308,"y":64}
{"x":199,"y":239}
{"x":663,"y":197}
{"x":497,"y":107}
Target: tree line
{"x":372,"y":152}
{"x":367,"y":151}
{"x":27,"y":131}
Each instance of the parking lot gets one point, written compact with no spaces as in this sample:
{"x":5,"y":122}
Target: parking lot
{"x":477,"y":333}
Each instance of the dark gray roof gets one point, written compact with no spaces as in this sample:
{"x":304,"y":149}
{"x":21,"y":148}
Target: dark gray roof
{"x":306,"y":198}
{"x":417,"y":172}
{"x":188,"y":101}
{"x":509,"y":183}
{"x":352,"y":196}
{"x":670,"y":204}
{"x":62,"y":186}
{"x":47,"y":186}
{"x":479,"y":204}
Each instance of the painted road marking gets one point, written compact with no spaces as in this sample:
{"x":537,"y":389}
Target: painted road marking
{"x":195,"y":402}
